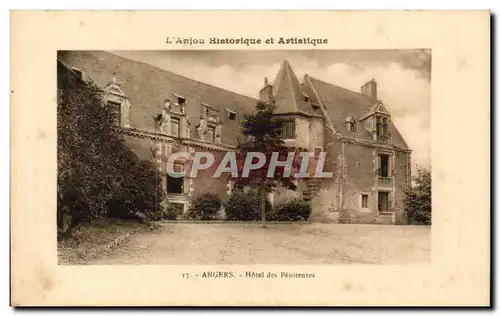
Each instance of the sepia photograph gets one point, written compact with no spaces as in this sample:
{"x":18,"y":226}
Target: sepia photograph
{"x":201,"y":158}
{"x":244,"y":157}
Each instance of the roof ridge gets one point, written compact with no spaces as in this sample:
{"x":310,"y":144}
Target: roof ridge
{"x":294,"y":97}
{"x":286,"y":77}
{"x":337,"y":86}
{"x":176,"y":74}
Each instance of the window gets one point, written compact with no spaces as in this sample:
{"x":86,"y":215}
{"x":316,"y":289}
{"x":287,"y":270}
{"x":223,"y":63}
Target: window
{"x":382,"y":127}
{"x":364,"y":200}
{"x":383,"y":201}
{"x":116,"y":109}
{"x":288,"y":130}
{"x":78,"y":72}
{"x":175,"y":185}
{"x":317,"y":151}
{"x":180,"y":99}
{"x":174,"y":127}
{"x":231,"y":115}
{"x":210,"y":134}
{"x":239,"y":187}
{"x":351,"y":126}
{"x":384,"y":165}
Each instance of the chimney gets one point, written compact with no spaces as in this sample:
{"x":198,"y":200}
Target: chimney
{"x":370,"y":89}
{"x":267,"y":91}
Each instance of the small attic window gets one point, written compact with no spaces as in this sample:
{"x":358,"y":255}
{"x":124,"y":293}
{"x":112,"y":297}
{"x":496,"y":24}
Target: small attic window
{"x":78,"y":72}
{"x":180,"y":98}
{"x":350,"y":124}
{"x":231,"y":115}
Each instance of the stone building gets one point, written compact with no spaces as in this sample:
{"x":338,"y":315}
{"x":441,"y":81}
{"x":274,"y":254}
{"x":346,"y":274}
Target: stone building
{"x":160,"y":113}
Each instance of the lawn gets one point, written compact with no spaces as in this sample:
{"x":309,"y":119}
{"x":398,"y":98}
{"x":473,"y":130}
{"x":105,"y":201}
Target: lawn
{"x":248,"y":243}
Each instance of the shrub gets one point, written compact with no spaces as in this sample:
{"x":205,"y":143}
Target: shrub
{"x":173,"y":212}
{"x":98,"y":175}
{"x":165,"y":212}
{"x":204,"y":207}
{"x":418,"y":198}
{"x":243,"y":206}
{"x":294,"y":210}
{"x":283,"y":195}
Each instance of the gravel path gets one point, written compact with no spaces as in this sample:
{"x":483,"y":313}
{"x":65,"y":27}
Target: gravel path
{"x":237,"y":243}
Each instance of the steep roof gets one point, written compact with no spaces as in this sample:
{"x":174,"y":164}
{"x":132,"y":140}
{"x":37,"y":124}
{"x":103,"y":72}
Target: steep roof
{"x":341,"y":103}
{"x":289,"y":94}
{"x":147,"y":87}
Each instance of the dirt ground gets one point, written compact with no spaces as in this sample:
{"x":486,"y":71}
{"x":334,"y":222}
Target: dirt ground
{"x":87,"y":241}
{"x":248,"y":243}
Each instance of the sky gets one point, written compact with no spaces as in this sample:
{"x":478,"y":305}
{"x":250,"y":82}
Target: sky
{"x":403,"y":78}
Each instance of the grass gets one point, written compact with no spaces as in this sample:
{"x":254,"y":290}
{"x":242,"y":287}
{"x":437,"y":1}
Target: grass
{"x":90,"y":240}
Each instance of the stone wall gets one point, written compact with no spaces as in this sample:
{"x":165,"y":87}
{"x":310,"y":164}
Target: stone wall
{"x":402,"y":169}
{"x":302,"y":132}
{"x":360,"y":176}
{"x":316,"y":133}
{"x":205,"y":182}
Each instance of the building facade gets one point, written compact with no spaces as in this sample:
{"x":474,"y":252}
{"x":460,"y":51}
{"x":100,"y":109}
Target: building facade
{"x":161,"y":113}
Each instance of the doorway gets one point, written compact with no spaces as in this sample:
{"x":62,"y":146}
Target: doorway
{"x":383,"y":202}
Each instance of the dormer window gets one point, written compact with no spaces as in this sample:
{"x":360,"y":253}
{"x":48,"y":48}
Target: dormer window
{"x":382,"y":127}
{"x":180,"y":99}
{"x":78,"y":72}
{"x":350,"y":123}
{"x":116,"y":110}
{"x":210,"y":126}
{"x":351,"y":126}
{"x":210,"y":136}
{"x":305,"y":96}
{"x":174,"y":127}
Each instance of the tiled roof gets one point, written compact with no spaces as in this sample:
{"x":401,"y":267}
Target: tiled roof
{"x":147,"y":87}
{"x":341,"y":103}
{"x":289,"y":94}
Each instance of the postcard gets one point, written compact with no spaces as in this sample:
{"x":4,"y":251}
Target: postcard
{"x":250,"y":158}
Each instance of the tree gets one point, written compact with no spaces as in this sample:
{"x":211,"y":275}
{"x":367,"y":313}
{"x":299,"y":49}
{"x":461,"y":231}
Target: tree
{"x":97,"y":173}
{"x":417,"y":201}
{"x":263,"y":131}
